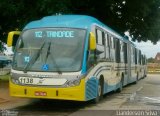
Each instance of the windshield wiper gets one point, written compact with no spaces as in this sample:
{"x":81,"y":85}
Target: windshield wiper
{"x":34,"y":58}
{"x":48,"y":51}
{"x":54,"y":62}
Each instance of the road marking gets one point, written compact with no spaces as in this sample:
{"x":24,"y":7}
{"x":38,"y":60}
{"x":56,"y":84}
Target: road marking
{"x":139,"y":89}
{"x":152,"y":99}
{"x":133,"y":95}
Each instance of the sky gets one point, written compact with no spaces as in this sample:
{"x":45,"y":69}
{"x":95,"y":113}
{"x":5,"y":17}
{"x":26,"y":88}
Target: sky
{"x":148,"y":48}
{"x":8,"y":50}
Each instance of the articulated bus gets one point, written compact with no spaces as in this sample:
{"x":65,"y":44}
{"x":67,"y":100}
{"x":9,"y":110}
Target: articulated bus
{"x":71,"y":57}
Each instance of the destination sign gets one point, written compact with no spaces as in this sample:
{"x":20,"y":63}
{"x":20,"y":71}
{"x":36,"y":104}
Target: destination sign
{"x":54,"y":34}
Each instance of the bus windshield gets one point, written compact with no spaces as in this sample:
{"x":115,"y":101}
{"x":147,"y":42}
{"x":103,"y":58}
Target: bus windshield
{"x":50,"y":49}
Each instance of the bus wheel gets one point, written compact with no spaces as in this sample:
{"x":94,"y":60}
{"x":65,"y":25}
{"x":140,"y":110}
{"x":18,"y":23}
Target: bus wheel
{"x":120,"y":86}
{"x":136,"y":80}
{"x":99,"y":92}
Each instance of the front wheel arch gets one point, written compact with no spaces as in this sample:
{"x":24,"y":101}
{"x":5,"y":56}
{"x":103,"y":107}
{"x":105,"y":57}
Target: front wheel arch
{"x":121,"y":83}
{"x":100,"y":90}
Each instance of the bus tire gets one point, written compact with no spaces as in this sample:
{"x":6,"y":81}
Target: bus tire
{"x":120,"y":86}
{"x":99,"y":91}
{"x":136,"y":80}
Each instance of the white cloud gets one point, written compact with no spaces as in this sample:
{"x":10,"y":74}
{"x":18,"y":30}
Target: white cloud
{"x":149,"y":48}
{"x":8,"y":50}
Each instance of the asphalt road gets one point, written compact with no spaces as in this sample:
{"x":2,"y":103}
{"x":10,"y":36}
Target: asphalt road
{"x":142,"y":99}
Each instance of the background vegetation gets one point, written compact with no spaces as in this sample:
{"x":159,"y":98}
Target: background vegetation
{"x":140,"y":17}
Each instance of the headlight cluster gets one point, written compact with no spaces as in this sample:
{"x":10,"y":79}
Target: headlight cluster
{"x":72,"y":83}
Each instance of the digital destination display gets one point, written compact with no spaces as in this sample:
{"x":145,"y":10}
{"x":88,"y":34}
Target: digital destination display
{"x":54,"y":34}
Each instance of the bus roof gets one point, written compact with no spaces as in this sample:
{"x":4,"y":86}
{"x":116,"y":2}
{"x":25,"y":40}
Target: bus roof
{"x":76,"y":21}
{"x":73,"y":21}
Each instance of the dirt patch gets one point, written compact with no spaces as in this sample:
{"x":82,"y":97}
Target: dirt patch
{"x":8,"y":102}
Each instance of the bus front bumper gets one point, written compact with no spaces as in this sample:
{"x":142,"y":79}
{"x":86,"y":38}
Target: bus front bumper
{"x":76,"y":93}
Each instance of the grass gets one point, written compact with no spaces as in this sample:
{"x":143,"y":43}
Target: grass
{"x":4,"y":77}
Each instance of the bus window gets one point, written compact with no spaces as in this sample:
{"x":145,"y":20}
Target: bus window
{"x":107,"y":40}
{"x":139,"y":57}
{"x":112,"y":42}
{"x":100,"y":52}
{"x":135,"y":56}
{"x":107,"y":43}
{"x":125,"y":53}
{"x":122,"y":51}
{"x":103,"y":38}
{"x":132,"y":55}
{"x":99,"y":37}
{"x":112,"y":49}
{"x":117,"y":53}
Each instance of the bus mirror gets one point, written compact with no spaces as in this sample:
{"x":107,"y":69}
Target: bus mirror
{"x":12,"y":38}
{"x":92,"y":41}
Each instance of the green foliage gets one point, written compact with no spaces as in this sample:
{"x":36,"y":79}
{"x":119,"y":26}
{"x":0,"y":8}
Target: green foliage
{"x":4,"y":77}
{"x":151,"y":60}
{"x":2,"y":47}
{"x":139,"y":17}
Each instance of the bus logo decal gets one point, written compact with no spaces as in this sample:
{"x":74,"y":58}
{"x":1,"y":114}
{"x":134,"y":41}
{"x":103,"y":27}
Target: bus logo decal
{"x":26,"y":59}
{"x":45,"y":67}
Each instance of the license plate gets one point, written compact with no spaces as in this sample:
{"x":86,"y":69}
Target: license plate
{"x":40,"y":93}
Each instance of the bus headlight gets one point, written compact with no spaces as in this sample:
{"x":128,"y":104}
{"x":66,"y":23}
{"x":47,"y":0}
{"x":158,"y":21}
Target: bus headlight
{"x":72,"y":83}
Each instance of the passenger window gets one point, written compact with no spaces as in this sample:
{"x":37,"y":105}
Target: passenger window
{"x":122,"y":51}
{"x":107,"y":40}
{"x":99,"y":37}
{"x":125,"y":53}
{"x":112,"y":42}
{"x":132,"y":55}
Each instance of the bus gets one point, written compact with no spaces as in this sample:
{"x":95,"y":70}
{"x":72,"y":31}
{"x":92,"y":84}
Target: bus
{"x":71,"y":57}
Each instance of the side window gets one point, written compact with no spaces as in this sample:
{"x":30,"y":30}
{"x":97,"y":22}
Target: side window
{"x":99,"y":37}
{"x":103,"y":38}
{"x":139,"y":57}
{"x":132,"y":54}
{"x":107,"y":40}
{"x":122,"y":51}
{"x":112,"y":48}
{"x":112,"y":42}
{"x":107,"y":45}
{"x":125,"y":53}
{"x":135,"y":56}
{"x":117,"y":49}
{"x":143,"y":60}
{"x":100,"y":51}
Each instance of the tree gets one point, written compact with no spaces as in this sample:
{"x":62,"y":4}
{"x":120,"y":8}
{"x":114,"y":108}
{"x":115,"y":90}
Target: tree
{"x":139,"y":17}
{"x":2,"y":47}
{"x":151,"y":60}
